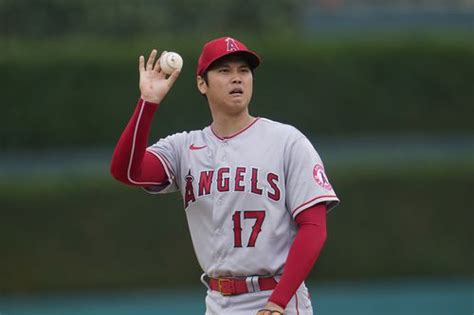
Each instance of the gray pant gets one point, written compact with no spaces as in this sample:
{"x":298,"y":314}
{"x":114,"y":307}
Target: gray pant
{"x":250,"y":303}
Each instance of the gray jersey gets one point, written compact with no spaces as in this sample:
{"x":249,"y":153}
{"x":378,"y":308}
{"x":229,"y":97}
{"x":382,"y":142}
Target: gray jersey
{"x":242,"y":193}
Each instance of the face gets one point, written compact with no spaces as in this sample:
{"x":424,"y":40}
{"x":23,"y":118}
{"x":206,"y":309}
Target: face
{"x":229,"y":85}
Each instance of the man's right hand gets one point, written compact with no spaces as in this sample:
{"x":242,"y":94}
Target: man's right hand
{"x":154,"y":84}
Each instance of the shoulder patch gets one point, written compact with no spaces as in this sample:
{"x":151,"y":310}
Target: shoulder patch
{"x":320,"y":177}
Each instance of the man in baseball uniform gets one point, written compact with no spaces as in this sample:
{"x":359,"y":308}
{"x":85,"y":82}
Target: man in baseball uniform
{"x":255,"y":191}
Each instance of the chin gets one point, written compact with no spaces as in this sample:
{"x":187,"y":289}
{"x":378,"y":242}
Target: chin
{"x":237,"y":107}
{"x":241,"y":101}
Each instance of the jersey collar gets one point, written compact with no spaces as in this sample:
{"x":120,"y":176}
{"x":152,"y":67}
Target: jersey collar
{"x":235,"y":134}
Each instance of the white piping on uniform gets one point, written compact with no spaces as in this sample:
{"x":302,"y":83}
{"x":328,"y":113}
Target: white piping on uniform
{"x":133,"y":149}
{"x":203,"y":280}
{"x":312,"y":202}
{"x":163,"y":162}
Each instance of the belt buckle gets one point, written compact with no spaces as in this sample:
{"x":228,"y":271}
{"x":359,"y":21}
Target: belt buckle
{"x":221,"y":281}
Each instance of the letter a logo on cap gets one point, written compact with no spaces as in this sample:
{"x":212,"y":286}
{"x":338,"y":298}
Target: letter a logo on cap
{"x":231,"y":44}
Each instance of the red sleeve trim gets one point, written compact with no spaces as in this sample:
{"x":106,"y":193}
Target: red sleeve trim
{"x":237,"y":133}
{"x":296,"y":305}
{"x":310,"y":201}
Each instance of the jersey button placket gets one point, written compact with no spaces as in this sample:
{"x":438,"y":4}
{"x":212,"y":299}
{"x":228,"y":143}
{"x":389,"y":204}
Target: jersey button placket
{"x":219,"y":202}
{"x":224,"y":150}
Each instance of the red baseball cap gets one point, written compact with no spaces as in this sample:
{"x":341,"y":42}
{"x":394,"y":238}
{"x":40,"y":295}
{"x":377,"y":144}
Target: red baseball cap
{"x":221,"y":47}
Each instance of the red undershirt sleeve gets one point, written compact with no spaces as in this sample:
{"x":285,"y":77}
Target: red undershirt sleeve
{"x":303,"y":253}
{"x":131,"y":163}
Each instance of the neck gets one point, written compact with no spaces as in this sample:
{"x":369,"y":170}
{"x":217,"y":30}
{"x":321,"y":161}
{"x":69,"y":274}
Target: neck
{"x":227,"y":125}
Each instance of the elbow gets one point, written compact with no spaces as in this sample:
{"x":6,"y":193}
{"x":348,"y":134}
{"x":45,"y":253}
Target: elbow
{"x":117,"y":172}
{"x":321,"y":238}
{"x":324,"y":236}
{"x":116,"y":175}
{"x":319,"y":241}
{"x":318,"y":245}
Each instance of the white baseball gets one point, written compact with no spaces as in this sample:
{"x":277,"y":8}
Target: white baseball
{"x":171,"y":61}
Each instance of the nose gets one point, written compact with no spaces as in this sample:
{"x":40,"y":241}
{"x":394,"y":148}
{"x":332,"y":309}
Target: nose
{"x":236,"y":75}
{"x":236,"y":79}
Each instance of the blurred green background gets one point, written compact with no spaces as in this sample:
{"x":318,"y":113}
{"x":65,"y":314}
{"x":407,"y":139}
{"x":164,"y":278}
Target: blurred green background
{"x":384,"y":90}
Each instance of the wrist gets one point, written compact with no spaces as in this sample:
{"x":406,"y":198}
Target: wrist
{"x":149,"y":99}
{"x":275,"y":299}
{"x":271,"y":307}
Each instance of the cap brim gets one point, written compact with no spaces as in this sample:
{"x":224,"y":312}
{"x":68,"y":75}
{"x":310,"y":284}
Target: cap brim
{"x":252,"y":58}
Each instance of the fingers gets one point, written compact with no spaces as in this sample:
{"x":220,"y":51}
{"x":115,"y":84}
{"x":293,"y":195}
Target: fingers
{"x":151,"y":60}
{"x":141,"y":64}
{"x":266,"y":311}
{"x":150,"y":65}
{"x":173,"y":76}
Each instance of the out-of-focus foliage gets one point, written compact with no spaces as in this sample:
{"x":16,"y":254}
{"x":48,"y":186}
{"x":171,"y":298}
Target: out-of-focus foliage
{"x":81,"y":93}
{"x":122,"y":18}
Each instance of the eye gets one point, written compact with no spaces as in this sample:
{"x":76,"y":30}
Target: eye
{"x":223,"y":70}
{"x":245,"y":70}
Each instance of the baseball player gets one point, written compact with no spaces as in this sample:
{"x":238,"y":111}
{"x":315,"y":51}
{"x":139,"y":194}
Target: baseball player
{"x":254,"y":190}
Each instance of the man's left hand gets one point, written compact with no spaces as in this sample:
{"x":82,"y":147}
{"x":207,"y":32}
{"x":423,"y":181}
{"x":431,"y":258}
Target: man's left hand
{"x":271,"y":309}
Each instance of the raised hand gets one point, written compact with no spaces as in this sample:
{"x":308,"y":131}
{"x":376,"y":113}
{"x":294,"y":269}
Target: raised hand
{"x":154,"y":83}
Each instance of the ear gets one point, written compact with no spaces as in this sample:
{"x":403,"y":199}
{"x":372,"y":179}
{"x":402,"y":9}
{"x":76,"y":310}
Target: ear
{"x":201,"y":84}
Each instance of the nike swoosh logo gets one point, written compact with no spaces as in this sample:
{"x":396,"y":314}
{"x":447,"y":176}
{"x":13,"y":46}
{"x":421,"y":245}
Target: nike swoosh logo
{"x":193,"y":147}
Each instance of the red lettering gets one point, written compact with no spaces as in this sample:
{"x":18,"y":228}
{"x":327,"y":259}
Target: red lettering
{"x":222,"y":183}
{"x":237,"y":229}
{"x":259,"y":216}
{"x":255,"y":188}
{"x":239,"y":177}
{"x":272,"y":180}
{"x":189,"y":191}
{"x":205,"y":182}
